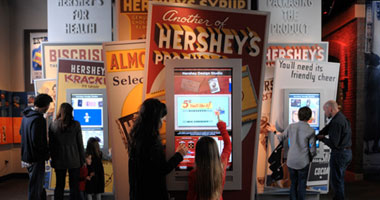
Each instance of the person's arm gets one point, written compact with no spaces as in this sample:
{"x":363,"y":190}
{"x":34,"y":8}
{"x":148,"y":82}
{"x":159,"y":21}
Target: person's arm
{"x":39,"y":138}
{"x":334,"y":132}
{"x":325,"y":130}
{"x":158,"y":159}
{"x":80,"y":144}
{"x":51,"y":141}
{"x":227,"y":143}
{"x":284,"y":135}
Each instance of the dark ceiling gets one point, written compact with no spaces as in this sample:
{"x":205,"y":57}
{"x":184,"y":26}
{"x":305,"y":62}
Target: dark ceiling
{"x":330,"y":8}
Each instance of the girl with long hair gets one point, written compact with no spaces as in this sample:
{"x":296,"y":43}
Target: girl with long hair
{"x":66,"y":149}
{"x":147,"y":164}
{"x":207,"y":179}
{"x":95,"y":186}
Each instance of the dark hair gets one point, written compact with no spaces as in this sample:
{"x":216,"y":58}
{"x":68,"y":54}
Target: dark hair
{"x":148,"y":122}
{"x":65,"y":115}
{"x":93,"y":147}
{"x":42,"y":100}
{"x":304,"y":113}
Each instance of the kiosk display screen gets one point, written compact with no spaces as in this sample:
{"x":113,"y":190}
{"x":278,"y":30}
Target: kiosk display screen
{"x":88,"y":110}
{"x":311,"y":100}
{"x":199,"y":95}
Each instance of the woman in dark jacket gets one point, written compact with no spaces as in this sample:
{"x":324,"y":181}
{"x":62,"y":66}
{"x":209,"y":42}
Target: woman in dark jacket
{"x":67,"y":152}
{"x":147,"y":164}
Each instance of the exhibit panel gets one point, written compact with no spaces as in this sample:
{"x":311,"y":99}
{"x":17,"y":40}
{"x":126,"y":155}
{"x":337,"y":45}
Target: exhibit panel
{"x":124,"y":64}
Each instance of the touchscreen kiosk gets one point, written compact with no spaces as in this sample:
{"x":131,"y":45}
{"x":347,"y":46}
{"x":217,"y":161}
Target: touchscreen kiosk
{"x":297,"y":98}
{"x":196,"y":90}
{"x":90,"y":110}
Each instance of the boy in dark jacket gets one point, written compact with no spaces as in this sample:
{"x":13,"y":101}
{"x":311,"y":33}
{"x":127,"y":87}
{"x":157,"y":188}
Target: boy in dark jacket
{"x":34,"y":147}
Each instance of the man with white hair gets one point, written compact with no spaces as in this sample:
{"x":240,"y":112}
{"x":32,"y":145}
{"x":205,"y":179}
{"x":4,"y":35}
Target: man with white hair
{"x":339,"y":140}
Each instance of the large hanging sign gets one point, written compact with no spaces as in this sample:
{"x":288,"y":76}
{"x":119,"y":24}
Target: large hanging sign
{"x":79,"y":21}
{"x":293,"y":21}
{"x":132,"y":15}
{"x":124,"y":65}
{"x":51,"y":52}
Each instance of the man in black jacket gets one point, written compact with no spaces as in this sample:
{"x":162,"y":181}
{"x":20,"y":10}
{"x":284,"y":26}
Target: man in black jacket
{"x":339,"y":132}
{"x":34,"y":147}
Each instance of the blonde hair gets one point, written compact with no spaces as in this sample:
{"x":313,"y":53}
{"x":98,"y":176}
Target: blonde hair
{"x":209,"y":170}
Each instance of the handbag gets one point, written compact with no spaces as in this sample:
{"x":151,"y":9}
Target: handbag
{"x":275,"y":163}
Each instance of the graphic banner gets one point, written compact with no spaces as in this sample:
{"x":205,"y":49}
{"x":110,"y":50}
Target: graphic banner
{"x":35,"y":55}
{"x":51,"y":52}
{"x":206,"y":33}
{"x":78,"y":74}
{"x":124,"y":73}
{"x":132,"y":15}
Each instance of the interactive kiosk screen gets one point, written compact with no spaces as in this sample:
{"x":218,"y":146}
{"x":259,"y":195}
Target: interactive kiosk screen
{"x":89,"y":111}
{"x":199,"y":94}
{"x":197,"y":91}
{"x":295,"y":99}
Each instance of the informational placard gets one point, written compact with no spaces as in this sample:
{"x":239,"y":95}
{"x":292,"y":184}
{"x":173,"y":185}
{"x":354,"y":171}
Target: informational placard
{"x":319,"y":172}
{"x":132,"y":15}
{"x":79,"y":21}
{"x":294,"y":21}
{"x":124,"y":64}
{"x":51,"y":52}
{"x":35,"y":55}
{"x":199,"y":32}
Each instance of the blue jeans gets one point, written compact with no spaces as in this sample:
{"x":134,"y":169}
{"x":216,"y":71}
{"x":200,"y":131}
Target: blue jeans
{"x":338,"y":164}
{"x":36,"y":173}
{"x":298,"y":186}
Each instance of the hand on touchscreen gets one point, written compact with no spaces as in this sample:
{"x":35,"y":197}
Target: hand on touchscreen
{"x":217,"y":113}
{"x":182,"y":149}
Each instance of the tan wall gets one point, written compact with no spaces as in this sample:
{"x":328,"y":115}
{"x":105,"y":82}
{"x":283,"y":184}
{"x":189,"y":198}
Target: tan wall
{"x":31,"y":14}
{"x":5,"y":69}
{"x":15,"y":17}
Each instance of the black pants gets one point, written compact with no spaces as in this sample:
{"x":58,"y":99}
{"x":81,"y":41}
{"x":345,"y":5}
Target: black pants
{"x":73,"y":183}
{"x":36,"y":173}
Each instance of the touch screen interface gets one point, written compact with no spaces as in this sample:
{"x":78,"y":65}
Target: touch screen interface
{"x":296,"y":101}
{"x":88,"y":110}
{"x":200,"y":94}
